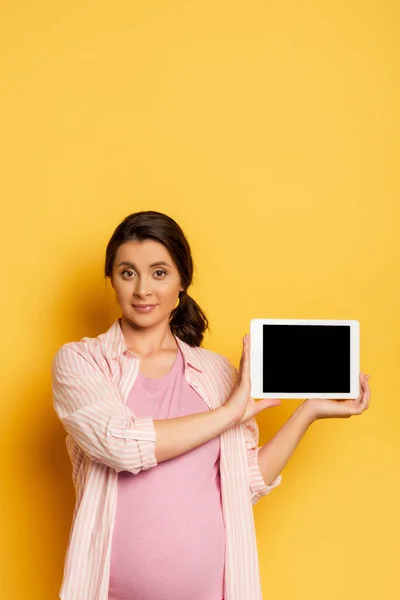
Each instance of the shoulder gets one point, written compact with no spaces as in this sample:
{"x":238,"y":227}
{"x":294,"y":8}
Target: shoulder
{"x":216,"y":357}
{"x":209,"y":360}
{"x":81,"y":354}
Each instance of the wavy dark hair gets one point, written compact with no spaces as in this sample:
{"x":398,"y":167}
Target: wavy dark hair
{"x":187,"y":320}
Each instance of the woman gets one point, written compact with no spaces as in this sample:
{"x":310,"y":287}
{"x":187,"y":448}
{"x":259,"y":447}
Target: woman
{"x":144,"y":394}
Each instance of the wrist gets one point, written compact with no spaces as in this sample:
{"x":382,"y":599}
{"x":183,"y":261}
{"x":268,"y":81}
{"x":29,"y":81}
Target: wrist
{"x":309,"y":410}
{"x":231,"y":418}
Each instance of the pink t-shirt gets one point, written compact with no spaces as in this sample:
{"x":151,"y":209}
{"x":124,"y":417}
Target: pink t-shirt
{"x":169,"y":533}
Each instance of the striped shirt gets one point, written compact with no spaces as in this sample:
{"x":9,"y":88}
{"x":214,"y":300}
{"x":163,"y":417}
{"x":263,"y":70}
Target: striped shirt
{"x":91,"y":381}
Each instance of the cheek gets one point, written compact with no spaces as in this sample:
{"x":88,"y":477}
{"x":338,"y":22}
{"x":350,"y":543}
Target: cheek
{"x":123,"y":291}
{"x":169,"y":296}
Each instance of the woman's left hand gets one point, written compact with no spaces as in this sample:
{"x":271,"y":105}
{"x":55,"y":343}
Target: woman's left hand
{"x":324,"y":408}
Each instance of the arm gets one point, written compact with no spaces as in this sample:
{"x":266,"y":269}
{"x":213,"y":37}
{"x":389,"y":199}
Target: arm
{"x":257,"y":479}
{"x":258,"y":469}
{"x":179,"y":435}
{"x":274,"y":455}
{"x":91,"y":411}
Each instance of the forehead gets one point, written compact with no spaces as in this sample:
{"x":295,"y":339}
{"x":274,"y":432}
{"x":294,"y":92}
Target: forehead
{"x":144,"y":252}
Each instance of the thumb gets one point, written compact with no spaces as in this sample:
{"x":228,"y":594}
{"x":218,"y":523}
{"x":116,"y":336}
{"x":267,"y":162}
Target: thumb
{"x":271,"y":402}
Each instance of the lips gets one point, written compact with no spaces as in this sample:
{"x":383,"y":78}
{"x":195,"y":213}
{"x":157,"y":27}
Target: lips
{"x":144,"y":308}
{"x":143,"y":305}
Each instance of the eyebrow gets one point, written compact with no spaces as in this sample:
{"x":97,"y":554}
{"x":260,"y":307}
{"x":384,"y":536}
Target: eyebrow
{"x":156,"y":264}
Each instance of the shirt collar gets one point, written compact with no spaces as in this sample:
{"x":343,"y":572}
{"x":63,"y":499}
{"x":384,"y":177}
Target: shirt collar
{"x":114,"y":344}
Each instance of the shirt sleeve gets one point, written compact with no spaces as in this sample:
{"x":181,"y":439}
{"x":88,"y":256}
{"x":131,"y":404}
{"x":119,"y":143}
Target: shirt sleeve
{"x":92,"y":412}
{"x":257,"y":485}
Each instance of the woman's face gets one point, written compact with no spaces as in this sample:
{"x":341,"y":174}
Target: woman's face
{"x":144,"y":273}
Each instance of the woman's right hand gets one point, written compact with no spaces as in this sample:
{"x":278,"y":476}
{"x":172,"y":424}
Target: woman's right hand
{"x":241,"y":405}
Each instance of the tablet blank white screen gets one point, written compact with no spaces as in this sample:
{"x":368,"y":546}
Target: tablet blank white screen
{"x":306,"y":358}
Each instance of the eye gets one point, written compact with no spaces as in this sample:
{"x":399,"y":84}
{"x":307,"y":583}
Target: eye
{"x":158,"y":271}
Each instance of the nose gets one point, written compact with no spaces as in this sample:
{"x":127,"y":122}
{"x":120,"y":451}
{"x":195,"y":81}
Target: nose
{"x":142,"y":287}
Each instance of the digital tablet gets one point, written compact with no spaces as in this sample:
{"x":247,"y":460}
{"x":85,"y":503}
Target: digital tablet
{"x":304,"y":358}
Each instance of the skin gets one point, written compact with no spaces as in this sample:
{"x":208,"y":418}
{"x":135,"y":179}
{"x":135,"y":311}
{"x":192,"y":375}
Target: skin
{"x":317,"y":408}
{"x":148,"y":335}
{"x":274,"y":455}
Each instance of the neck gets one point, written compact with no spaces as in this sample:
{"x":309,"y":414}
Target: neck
{"x":147,"y":341}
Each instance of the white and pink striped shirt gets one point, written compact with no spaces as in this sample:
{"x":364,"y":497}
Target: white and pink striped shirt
{"x":92,"y":379}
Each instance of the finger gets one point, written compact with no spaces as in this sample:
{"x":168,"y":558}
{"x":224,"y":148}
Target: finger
{"x":357,"y":400}
{"x":363,"y":388}
{"x":361,"y":402}
{"x":366,"y":387}
{"x":368,"y":395}
{"x":241,"y":359}
{"x":354,"y":408}
{"x":270,"y":403}
{"x":246,"y":363}
{"x":364,"y":398}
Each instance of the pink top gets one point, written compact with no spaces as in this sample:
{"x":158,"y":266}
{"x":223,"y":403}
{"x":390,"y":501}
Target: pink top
{"x":91,"y":382}
{"x":169,"y":537}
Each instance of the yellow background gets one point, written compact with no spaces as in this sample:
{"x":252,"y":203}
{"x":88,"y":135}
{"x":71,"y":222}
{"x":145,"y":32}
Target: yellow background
{"x":270,"y":132}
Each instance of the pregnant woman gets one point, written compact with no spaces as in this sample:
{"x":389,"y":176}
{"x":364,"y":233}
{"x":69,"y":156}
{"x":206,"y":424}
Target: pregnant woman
{"x":162,"y":437}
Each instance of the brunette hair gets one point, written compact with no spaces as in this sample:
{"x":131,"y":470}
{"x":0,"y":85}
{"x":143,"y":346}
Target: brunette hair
{"x":187,"y":320}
